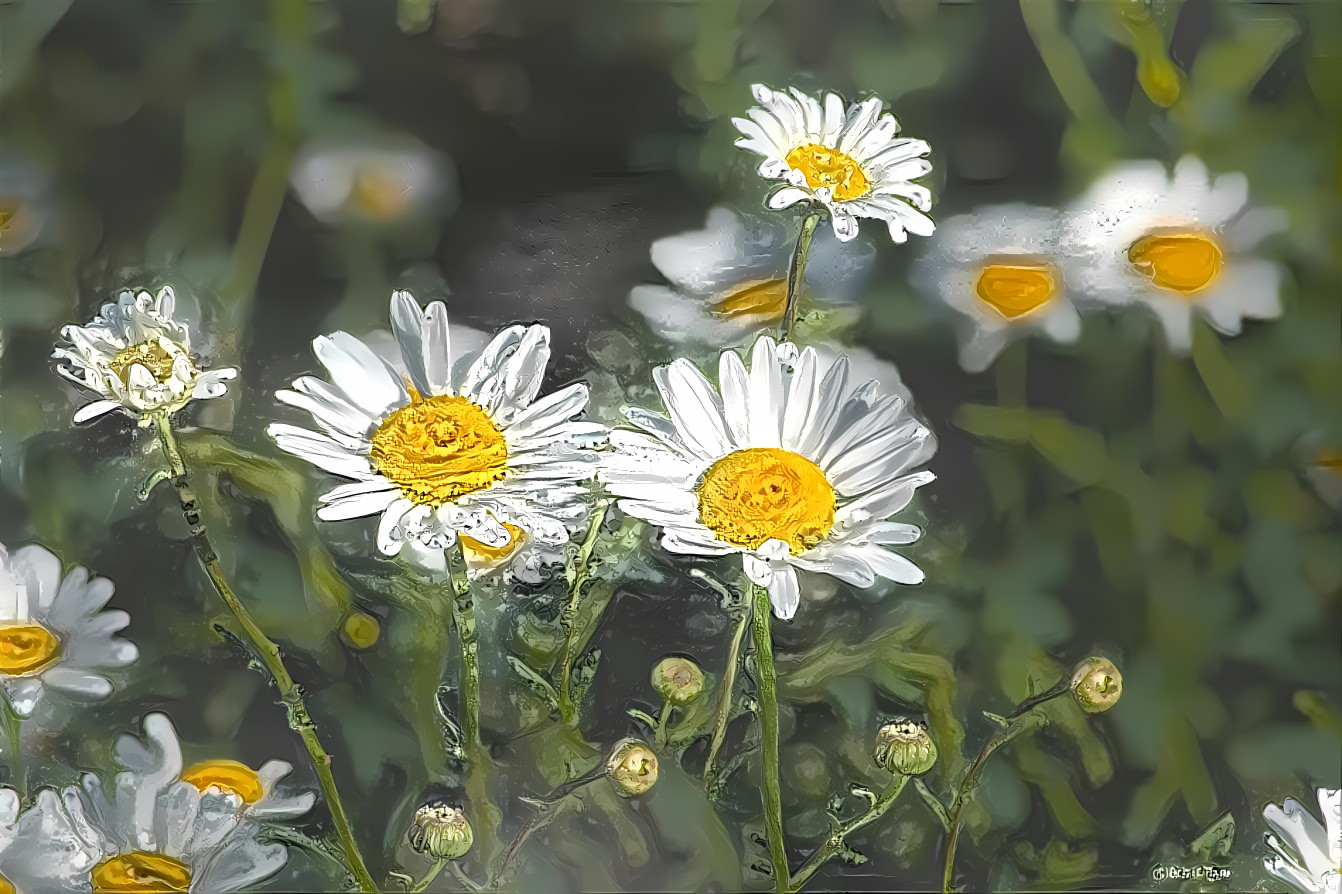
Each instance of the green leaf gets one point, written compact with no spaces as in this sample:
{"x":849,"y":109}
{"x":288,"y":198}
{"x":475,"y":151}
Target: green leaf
{"x":1218,"y":373}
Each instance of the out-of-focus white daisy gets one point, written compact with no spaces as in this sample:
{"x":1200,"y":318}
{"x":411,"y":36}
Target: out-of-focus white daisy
{"x":1324,"y":468}
{"x":377,"y":181}
{"x":445,"y":445}
{"x":24,"y":204}
{"x":788,"y":465}
{"x":153,"y":832}
{"x":1001,"y":269}
{"x":137,"y":358}
{"x":848,"y":160}
{"x":1181,"y":245}
{"x":52,"y":632}
{"x":1306,"y":853}
{"x":729,"y":279}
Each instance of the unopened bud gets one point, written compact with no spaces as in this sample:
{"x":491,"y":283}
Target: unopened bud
{"x":678,"y":680}
{"x":360,"y":630}
{"x":1097,"y":684}
{"x":441,"y":832}
{"x":904,"y":748}
{"x":632,"y":767}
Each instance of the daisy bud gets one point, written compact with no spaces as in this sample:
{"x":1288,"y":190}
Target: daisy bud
{"x":632,"y":767}
{"x":360,"y":631}
{"x":677,"y":680}
{"x":1097,"y":684}
{"x":904,"y":748}
{"x":441,"y":832}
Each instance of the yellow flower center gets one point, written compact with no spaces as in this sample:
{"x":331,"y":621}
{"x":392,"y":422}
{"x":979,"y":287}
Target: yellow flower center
{"x":7,"y":214}
{"x":140,"y":872}
{"x":227,"y":776}
{"x":486,"y":553}
{"x":379,"y":196}
{"x":767,"y":297}
{"x":6,"y":886}
{"x":763,"y":493}
{"x":439,"y":448}
{"x":1014,"y":290}
{"x":824,"y":166}
{"x":1330,"y":459}
{"x":26,"y":648}
{"x":1182,"y":262}
{"x":149,"y":354}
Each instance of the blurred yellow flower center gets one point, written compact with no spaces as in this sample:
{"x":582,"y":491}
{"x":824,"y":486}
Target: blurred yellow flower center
{"x":6,"y":886}
{"x":149,"y":354}
{"x":1330,"y":459}
{"x":763,"y":493}
{"x":486,"y":553}
{"x":7,"y":214}
{"x":378,"y":195}
{"x":767,"y":298}
{"x":823,"y":166}
{"x":1183,"y":262}
{"x":227,"y":776}
{"x":361,"y":630}
{"x":25,"y":648}
{"x":1016,"y":289}
{"x":439,"y":448}
{"x":140,"y":872}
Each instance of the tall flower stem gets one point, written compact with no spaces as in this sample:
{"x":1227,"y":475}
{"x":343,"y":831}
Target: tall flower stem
{"x":13,"y":733}
{"x":834,"y":843}
{"x":767,"y":684}
{"x":725,"y":698}
{"x":487,"y":816}
{"x":796,"y":273}
{"x":290,"y":692}
{"x":1026,"y":719}
{"x":582,"y":571}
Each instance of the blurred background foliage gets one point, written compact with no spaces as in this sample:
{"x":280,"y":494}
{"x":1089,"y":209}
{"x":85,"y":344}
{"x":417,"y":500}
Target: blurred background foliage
{"x":1175,"y":513}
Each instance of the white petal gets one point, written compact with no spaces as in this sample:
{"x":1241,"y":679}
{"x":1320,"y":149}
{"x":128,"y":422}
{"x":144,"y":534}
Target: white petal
{"x":766,"y":394}
{"x":390,"y":537}
{"x":695,"y":407}
{"x":787,"y":196}
{"x":889,"y":565}
{"x":784,"y":591}
{"x":95,"y":409}
{"x":360,"y":373}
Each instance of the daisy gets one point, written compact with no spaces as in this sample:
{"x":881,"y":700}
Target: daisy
{"x":154,"y":833}
{"x":845,"y":159}
{"x":376,"y":182}
{"x":787,"y":465}
{"x":443,"y":446}
{"x":1180,"y":245}
{"x":1307,"y":854}
{"x":52,"y":633}
{"x":137,"y":358}
{"x":729,"y":280}
{"x":1000,"y":269}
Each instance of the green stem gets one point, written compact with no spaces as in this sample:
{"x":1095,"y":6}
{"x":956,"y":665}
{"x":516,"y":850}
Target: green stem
{"x":568,"y":711}
{"x":835,"y":842}
{"x":13,"y":732}
{"x":290,"y":692}
{"x":428,"y":877}
{"x":933,"y":802}
{"x":725,"y":698}
{"x":487,"y":816}
{"x":796,"y":274}
{"x":659,"y":732}
{"x":762,"y":611}
{"x":1018,"y":725}
{"x":1065,"y":65}
{"x":466,"y":881}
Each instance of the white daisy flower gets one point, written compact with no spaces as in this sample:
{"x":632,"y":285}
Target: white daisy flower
{"x":137,"y":358}
{"x":52,"y":632}
{"x":846,"y":159}
{"x":1001,"y":269}
{"x":787,"y":465}
{"x":154,"y":833}
{"x":729,"y":279}
{"x":24,"y":204}
{"x":1307,"y":854}
{"x":379,"y":181}
{"x":1181,"y":245}
{"x":449,"y":445}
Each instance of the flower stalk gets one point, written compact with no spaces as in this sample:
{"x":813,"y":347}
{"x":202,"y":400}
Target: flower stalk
{"x":300,"y":721}
{"x":767,"y":685}
{"x":796,"y":274}
{"x":13,"y":734}
{"x":835,"y":843}
{"x":580,"y":574}
{"x":477,"y":759}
